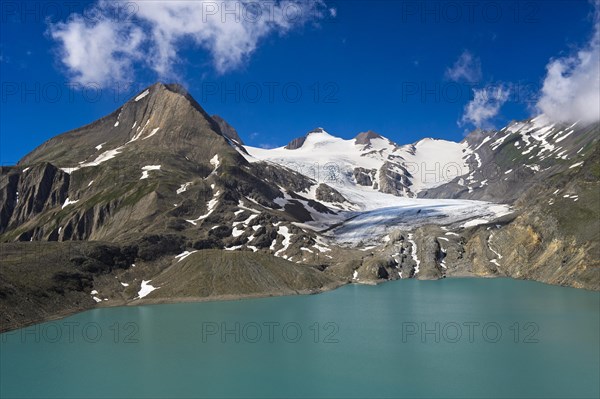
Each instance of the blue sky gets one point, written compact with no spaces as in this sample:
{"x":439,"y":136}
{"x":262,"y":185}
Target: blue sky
{"x":406,"y":69}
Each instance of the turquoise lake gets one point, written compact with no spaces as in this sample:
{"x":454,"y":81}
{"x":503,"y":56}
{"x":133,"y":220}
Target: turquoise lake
{"x":460,"y":338}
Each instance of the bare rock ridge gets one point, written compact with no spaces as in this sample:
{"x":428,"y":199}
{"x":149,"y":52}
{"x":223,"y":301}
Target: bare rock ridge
{"x":227,"y":130}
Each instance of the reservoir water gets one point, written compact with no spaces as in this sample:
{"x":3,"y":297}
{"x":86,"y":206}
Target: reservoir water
{"x":449,"y":338}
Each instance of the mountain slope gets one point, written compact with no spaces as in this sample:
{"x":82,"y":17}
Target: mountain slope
{"x":505,"y":163}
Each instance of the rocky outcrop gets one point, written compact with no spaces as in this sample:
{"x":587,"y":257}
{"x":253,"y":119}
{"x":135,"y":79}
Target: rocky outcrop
{"x":28,"y":193}
{"x":364,"y":177}
{"x":328,"y":194}
{"x":393,"y":180}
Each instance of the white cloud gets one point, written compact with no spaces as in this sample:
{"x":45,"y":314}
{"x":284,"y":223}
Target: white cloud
{"x":93,"y":53}
{"x":466,"y":68}
{"x":106,"y":48}
{"x":571,"y":89}
{"x":484,"y":106}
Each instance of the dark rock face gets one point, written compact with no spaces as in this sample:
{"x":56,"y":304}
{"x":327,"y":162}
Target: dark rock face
{"x":227,"y":130}
{"x":296,"y":143}
{"x":393,"y":180}
{"x":364,"y":177}
{"x":299,"y":142}
{"x":329,"y":194}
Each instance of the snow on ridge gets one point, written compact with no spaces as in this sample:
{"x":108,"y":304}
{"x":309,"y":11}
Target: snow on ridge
{"x":144,"y":94}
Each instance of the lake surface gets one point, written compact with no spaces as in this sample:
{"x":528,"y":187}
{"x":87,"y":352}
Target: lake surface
{"x":493,"y":338}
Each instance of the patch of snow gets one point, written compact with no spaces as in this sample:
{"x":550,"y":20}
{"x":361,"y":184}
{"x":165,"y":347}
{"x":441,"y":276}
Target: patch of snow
{"x":99,"y":146}
{"x":152,"y":133}
{"x":183,"y":188}
{"x":68,"y":202}
{"x":575,"y":165}
{"x":413,"y":252}
{"x":558,"y":140}
{"x":245,"y":208}
{"x":475,"y":222}
{"x":145,"y":289}
{"x":212,"y":204}
{"x":215,"y":161}
{"x":97,"y":299}
{"x":284,"y":231}
{"x":236,"y":232}
{"x":147,"y":169}
{"x":184,"y":255}
{"x":235,"y":248}
{"x":368,"y":248}
{"x":26,"y":169}
{"x":125,"y":284}
{"x":144,"y":94}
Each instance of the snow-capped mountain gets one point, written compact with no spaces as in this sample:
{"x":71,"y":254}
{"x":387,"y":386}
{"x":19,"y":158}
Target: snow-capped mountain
{"x":369,"y":163}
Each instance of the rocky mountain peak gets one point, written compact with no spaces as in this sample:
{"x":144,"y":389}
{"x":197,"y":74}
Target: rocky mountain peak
{"x":316,"y":131}
{"x":299,"y":142}
{"x":365,"y":138}
{"x":162,"y":116}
